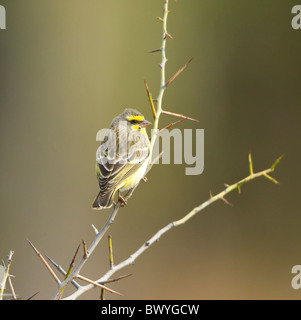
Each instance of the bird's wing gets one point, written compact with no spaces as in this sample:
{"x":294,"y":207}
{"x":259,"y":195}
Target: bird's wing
{"x":112,"y":169}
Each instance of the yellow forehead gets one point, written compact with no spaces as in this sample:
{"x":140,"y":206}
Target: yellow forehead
{"x":137,"y":118}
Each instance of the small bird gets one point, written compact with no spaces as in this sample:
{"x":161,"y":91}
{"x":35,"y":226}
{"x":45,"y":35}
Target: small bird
{"x":122,"y":157}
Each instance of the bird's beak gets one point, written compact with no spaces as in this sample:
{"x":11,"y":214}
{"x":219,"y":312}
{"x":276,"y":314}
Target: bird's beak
{"x":144,"y":124}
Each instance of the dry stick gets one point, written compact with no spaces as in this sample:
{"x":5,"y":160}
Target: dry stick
{"x":187,"y":217}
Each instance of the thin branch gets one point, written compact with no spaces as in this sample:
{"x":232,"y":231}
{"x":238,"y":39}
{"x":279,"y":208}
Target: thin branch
{"x":159,"y":99}
{"x":222,"y":194}
{"x":187,"y":217}
{"x":97,"y":239}
{"x":6,"y":273}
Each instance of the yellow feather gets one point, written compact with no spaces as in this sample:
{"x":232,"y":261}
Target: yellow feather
{"x":137,"y":118}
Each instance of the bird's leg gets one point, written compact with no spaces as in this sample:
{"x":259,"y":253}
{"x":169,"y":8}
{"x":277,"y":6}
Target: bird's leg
{"x":144,"y":179}
{"x":121,"y":199}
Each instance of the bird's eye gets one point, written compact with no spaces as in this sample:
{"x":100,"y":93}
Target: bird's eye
{"x":134,"y":121}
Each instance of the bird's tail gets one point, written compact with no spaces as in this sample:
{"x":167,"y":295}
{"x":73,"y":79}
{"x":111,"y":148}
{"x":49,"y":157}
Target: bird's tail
{"x":103,"y":201}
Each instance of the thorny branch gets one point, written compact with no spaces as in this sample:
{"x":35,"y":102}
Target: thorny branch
{"x":73,"y":272}
{"x":188,"y":216}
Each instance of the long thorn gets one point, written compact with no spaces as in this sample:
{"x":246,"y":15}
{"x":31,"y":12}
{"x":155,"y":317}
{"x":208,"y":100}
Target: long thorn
{"x":98,"y":284}
{"x":177,"y":74}
{"x":95,"y":229}
{"x":271,"y":178}
{"x":276,"y":162}
{"x":251,"y":164}
{"x":149,"y":95}
{"x":170,"y":125}
{"x":156,"y":50}
{"x":179,"y":115}
{"x":111,"y":259}
{"x":226,"y":201}
{"x":44,"y":262}
{"x":168,"y":35}
{"x":33,"y":295}
{"x":85,"y":249}
{"x":115,"y":279}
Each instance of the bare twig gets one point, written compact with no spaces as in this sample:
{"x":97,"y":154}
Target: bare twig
{"x":187,"y":217}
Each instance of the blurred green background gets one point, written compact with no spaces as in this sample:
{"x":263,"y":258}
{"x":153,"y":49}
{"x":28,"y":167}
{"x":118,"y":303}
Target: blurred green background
{"x":68,"y":67}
